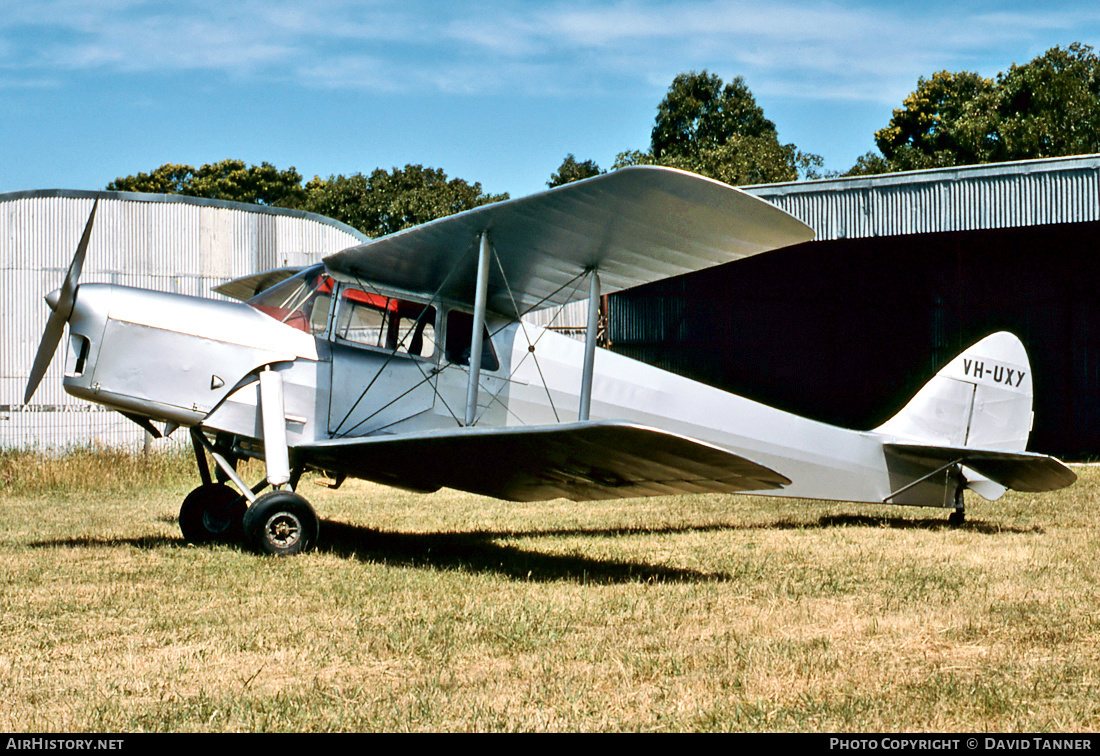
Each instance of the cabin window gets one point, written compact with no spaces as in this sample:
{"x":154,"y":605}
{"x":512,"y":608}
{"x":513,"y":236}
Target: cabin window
{"x":384,"y":322}
{"x":460,"y":331}
{"x":301,"y":302}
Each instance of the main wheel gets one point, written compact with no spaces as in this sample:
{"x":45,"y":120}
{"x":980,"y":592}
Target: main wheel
{"x":212,"y":512}
{"x":280,"y":523}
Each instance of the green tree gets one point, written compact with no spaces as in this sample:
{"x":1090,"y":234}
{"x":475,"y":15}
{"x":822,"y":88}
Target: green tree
{"x":699,"y":113}
{"x":170,"y":178}
{"x":377,"y":204}
{"x":1051,"y":106}
{"x":715,"y":129}
{"x":869,"y":164}
{"x":389,"y":201}
{"x":1045,"y":108}
{"x":742,"y":160}
{"x":571,"y":170}
{"x":228,"y":180}
{"x":948,"y":120}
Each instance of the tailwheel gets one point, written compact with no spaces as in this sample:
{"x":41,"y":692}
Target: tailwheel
{"x":212,"y":513}
{"x":280,"y":523}
{"x":958,"y":517}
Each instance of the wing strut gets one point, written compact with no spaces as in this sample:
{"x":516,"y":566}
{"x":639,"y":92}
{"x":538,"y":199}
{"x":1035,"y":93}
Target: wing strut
{"x":480,"y":300}
{"x":590,"y":344}
{"x":921,"y":479}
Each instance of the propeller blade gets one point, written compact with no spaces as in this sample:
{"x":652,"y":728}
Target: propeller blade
{"x":55,"y":327}
{"x":62,"y":309}
{"x":68,"y":288}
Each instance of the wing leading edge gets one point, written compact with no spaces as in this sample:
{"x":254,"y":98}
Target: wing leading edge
{"x":578,"y":461}
{"x":635,"y":225}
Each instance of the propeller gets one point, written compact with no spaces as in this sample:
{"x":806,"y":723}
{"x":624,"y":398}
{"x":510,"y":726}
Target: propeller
{"x":61,"y":302}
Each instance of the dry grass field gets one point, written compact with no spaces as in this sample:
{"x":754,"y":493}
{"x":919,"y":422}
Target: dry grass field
{"x":453,"y":612}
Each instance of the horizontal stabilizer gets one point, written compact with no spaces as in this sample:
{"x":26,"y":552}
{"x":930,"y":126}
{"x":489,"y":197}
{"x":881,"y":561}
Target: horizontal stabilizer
{"x":1020,"y":471}
{"x":578,"y":461}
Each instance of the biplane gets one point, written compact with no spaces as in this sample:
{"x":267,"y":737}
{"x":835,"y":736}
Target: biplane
{"x":406,"y":361}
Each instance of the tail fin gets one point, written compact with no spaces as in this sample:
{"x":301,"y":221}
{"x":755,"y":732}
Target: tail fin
{"x":980,"y":400}
{"x":970,"y":423}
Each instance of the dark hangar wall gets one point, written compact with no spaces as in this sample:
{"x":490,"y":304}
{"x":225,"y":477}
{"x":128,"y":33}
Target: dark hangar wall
{"x":846,"y":331}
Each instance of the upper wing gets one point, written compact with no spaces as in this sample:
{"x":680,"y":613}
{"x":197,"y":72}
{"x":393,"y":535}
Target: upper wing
{"x":578,"y":461}
{"x":1020,"y":471}
{"x":247,"y":287}
{"x":635,"y":225}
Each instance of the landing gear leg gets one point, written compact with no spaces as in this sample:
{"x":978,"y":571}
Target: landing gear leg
{"x":280,"y":522}
{"x":958,"y":517}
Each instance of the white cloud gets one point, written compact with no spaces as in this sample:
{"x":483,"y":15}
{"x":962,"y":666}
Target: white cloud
{"x":793,"y":48}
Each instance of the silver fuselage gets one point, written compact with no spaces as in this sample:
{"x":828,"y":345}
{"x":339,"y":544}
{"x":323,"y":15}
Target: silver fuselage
{"x":192,"y":361}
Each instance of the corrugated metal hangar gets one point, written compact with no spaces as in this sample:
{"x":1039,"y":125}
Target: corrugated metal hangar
{"x":169,"y":243}
{"x":907,"y":271}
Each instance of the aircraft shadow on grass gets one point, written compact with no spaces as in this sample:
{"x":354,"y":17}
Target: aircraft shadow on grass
{"x":483,"y":551}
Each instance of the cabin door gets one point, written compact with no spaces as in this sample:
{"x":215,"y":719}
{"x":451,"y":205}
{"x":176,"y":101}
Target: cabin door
{"x":384,"y":360}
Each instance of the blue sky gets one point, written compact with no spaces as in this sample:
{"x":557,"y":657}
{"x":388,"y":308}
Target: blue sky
{"x":497,"y":92}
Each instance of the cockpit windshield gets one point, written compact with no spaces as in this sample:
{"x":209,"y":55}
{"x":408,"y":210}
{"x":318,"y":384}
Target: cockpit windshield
{"x":302,"y":301}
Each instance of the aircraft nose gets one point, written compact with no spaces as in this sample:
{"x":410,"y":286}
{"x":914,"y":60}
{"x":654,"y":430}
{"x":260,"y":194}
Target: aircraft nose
{"x":53,"y":298}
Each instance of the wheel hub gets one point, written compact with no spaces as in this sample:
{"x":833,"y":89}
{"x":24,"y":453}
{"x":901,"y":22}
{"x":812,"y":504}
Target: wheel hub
{"x":284,"y":529}
{"x":214,"y":523}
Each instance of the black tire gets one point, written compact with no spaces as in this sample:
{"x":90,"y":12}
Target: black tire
{"x":212,"y":513}
{"x":281,"y":523}
{"x":958,"y":517}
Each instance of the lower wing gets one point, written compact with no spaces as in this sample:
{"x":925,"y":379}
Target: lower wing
{"x":578,"y":461}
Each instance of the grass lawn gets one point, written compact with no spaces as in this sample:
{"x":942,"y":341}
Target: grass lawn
{"x":455,"y":612}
